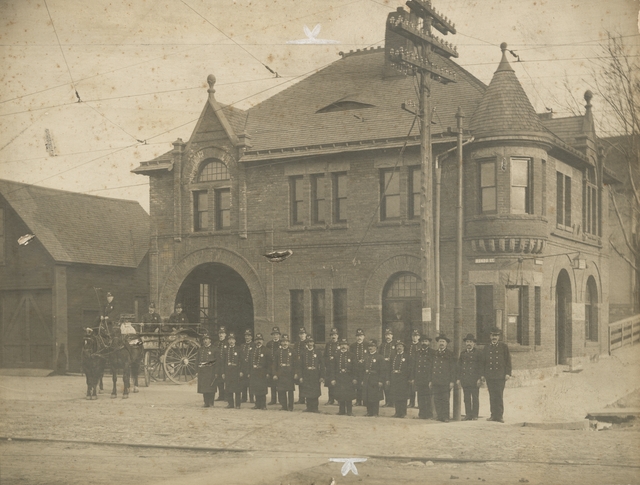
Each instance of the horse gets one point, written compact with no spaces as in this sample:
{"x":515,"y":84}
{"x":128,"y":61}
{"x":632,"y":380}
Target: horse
{"x":92,"y":363}
{"x":120,"y":354}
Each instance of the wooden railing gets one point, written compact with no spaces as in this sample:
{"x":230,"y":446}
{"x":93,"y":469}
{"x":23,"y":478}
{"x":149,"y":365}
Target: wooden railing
{"x":624,"y":332}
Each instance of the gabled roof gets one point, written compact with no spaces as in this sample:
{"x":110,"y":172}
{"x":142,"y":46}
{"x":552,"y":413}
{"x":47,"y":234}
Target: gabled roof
{"x":567,"y":129}
{"x":79,"y":228}
{"x":505,"y":109}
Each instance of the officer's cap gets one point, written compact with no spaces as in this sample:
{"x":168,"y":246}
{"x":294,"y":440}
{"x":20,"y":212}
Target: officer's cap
{"x":443,"y":337}
{"x":259,"y":337}
{"x":302,"y":330}
{"x":373,"y":343}
{"x":359,"y":333}
{"x":388,"y":332}
{"x":310,"y":339}
{"x":495,"y":331}
{"x":334,"y":331}
{"x":424,"y":338}
{"x":416,"y":332}
{"x":179,"y":305}
{"x":343,"y":341}
{"x":152,"y":305}
{"x":231,"y":336}
{"x":222,"y":330}
{"x":285,"y":337}
{"x":400,"y":342}
{"x":275,"y":331}
{"x":469,"y":337}
{"x":247,"y":332}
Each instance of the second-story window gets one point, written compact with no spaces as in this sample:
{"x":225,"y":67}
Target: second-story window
{"x":317,"y":198}
{"x":563,"y":199}
{"x":213,"y":170}
{"x":389,"y":195}
{"x":520,"y":183}
{"x":488,"y":199}
{"x":201,"y":210}
{"x":340,"y":197}
{"x":414,"y":192}
{"x":223,"y":208}
{"x":297,"y":200}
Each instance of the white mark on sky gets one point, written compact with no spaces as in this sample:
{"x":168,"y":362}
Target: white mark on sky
{"x":311,"y":37}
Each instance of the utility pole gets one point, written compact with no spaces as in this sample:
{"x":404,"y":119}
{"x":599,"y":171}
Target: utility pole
{"x":416,"y":26}
{"x":457,"y":307}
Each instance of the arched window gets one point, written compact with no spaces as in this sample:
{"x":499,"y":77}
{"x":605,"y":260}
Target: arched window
{"x":402,"y":305}
{"x":211,"y":170}
{"x":591,"y":311}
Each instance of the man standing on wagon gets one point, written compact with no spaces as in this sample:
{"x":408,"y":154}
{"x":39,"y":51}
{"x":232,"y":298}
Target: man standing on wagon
{"x":258,"y":369}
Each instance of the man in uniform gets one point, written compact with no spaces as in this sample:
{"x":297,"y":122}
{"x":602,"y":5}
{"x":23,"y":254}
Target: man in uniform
{"x":110,"y":314}
{"x":359,"y":350}
{"x":373,"y":379}
{"x":176,"y":319}
{"x":400,"y":380}
{"x":414,"y":347}
{"x":273,"y":345}
{"x":298,"y":347}
{"x":245,"y":348}
{"x":206,"y":371}
{"x":443,"y":377}
{"x":258,"y":370}
{"x":343,"y":378}
{"x":152,"y":319}
{"x":423,"y":368}
{"x":496,"y":370}
{"x":283,"y":373}
{"x":386,"y":350}
{"x":232,"y":372}
{"x":469,"y":377}
{"x":220,"y":349}
{"x":310,"y":372}
{"x":331,"y":350}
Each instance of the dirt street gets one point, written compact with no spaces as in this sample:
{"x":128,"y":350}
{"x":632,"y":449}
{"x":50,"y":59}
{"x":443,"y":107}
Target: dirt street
{"x":164,"y":435}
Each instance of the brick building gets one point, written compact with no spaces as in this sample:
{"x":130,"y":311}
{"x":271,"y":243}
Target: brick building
{"x":329,"y":169}
{"x":47,"y":291}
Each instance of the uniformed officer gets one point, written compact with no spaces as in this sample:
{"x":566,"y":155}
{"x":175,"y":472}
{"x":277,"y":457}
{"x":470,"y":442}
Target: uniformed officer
{"x":331,"y":350}
{"x":298,"y":347}
{"x":468,"y":376}
{"x":273,"y":345}
{"x":259,"y":371}
{"x":496,"y":370}
{"x":245,"y":348}
{"x":414,"y":347}
{"x":423,"y":368}
{"x":373,"y":379}
{"x":359,"y":350}
{"x":443,"y":377}
{"x":310,"y":371}
{"x":176,"y":319}
{"x":232,"y":372}
{"x":386,"y":350}
{"x":220,"y":349}
{"x":283,"y":373}
{"x":206,"y":371}
{"x":343,"y":378}
{"x":400,"y":380}
{"x":151,"y":319}
{"x":110,"y":313}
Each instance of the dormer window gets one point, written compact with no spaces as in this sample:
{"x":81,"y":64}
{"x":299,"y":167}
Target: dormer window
{"x":212,"y":170}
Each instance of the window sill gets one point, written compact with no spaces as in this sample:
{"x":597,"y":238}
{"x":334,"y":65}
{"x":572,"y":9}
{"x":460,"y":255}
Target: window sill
{"x":220,"y":232}
{"x":318,"y":227}
{"x":514,"y":217}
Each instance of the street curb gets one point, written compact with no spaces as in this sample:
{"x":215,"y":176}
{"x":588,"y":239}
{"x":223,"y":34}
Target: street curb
{"x":582,"y":425}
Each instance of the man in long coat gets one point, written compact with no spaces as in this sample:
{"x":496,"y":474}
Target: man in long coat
{"x":232,"y":372}
{"x":423,"y":367}
{"x":283,"y":373}
{"x":331,"y":349}
{"x":373,"y":379}
{"x":387,"y":349}
{"x":443,"y":378}
{"x":297,"y":348}
{"x":220,"y":349}
{"x":414,"y":348}
{"x":259,"y":371}
{"x":207,"y":366}
{"x":469,"y":374}
{"x":343,"y":378}
{"x":245,"y":348}
{"x":273,"y":345}
{"x":359,"y":350}
{"x":310,"y":372}
{"x":400,"y":379}
{"x":496,"y":370}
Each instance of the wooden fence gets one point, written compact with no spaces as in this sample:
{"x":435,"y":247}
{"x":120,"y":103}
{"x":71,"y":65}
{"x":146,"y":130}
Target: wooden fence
{"x":624,"y":332}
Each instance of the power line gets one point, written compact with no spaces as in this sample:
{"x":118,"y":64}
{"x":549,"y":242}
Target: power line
{"x":61,"y":50}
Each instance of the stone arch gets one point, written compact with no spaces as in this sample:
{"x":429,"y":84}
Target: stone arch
{"x":195,"y":158}
{"x":181,"y":270}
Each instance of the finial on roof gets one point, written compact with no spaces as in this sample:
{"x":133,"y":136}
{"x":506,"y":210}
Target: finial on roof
{"x":211,"y":80}
{"x":504,"y":63}
{"x":588,"y":96}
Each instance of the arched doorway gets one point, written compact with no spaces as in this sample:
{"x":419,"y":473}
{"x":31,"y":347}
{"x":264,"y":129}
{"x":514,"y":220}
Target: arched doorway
{"x":216,"y":295}
{"x":563,"y":318}
{"x":401,"y":305}
{"x":591,"y":311}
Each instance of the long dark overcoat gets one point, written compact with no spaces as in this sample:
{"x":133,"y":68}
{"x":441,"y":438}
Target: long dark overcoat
{"x":310,"y":369}
{"x":469,"y":367}
{"x":283,"y":368}
{"x":331,"y":349}
{"x":206,"y":372}
{"x":423,"y":367}
{"x":444,"y":368}
{"x":232,"y":367}
{"x":400,"y":374}
{"x":344,"y":372}
{"x":374,"y":373}
{"x":259,"y":370}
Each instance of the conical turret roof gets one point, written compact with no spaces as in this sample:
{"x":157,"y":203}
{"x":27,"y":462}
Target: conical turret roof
{"x":505,"y":108}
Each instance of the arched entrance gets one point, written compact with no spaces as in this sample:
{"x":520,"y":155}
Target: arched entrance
{"x":591,"y":311}
{"x":401,"y":305}
{"x":216,"y":295}
{"x":563,"y":318}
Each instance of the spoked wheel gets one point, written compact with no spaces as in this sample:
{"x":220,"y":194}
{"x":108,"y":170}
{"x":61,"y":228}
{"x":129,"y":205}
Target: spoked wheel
{"x":153,"y":369}
{"x":180,"y":360}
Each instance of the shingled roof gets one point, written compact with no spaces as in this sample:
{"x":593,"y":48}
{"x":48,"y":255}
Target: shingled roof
{"x":79,"y":228}
{"x":505,"y":109}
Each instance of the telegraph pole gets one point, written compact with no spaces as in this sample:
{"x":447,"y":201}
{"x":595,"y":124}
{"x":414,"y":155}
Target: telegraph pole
{"x":457,"y":307}
{"x":416,"y":26}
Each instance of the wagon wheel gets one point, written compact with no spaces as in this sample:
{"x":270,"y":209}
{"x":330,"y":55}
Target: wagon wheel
{"x":153,"y":370}
{"x":180,"y":360}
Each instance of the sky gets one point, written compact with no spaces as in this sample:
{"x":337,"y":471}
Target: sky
{"x":139,"y":68}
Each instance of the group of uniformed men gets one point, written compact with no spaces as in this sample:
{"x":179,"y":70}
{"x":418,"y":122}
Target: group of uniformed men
{"x":364,"y":371}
